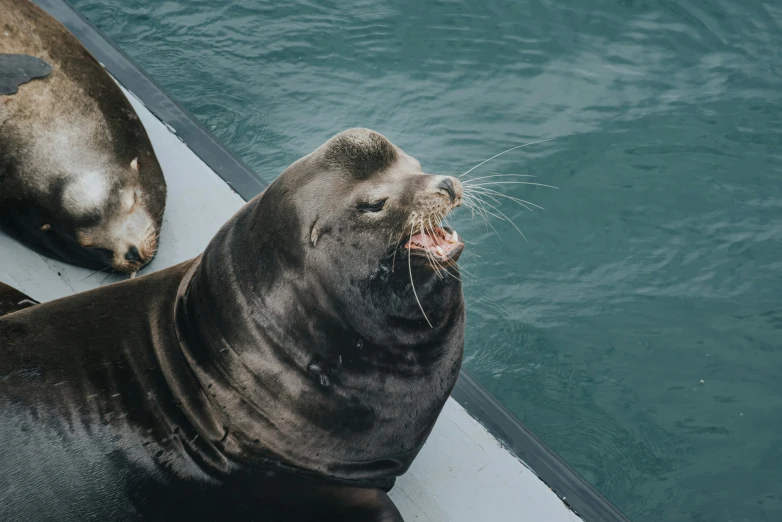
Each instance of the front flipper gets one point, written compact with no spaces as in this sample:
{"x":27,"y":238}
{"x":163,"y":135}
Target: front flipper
{"x":17,"y":69}
{"x":12,"y":300}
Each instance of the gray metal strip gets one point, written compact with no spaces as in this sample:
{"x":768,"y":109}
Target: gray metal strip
{"x":581,"y":496}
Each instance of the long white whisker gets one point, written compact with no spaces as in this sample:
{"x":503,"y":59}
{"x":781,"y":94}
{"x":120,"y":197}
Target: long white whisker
{"x":488,"y":212}
{"x":412,"y":284}
{"x":505,"y":152}
{"x":440,"y":217}
{"x":513,"y":183}
{"x":474,"y":201}
{"x":521,"y":202}
{"x":499,"y":176}
{"x":476,"y":205}
{"x":508,"y":220}
{"x":429,"y":254}
{"x":439,"y":266}
{"x":484,"y":192}
{"x":97,"y":272}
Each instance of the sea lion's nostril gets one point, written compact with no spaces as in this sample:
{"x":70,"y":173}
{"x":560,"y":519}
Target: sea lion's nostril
{"x":447,"y":185}
{"x":133,"y":255}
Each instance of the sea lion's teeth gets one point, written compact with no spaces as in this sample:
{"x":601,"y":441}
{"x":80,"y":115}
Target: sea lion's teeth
{"x":454,"y":237}
{"x":439,"y":251}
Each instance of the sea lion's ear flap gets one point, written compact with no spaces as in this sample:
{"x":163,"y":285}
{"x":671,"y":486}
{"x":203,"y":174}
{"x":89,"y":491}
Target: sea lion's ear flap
{"x":134,"y":164}
{"x":315,"y":233}
{"x":18,"y":69}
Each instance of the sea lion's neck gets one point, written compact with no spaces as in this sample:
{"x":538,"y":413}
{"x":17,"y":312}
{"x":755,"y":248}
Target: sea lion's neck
{"x":291,"y":381}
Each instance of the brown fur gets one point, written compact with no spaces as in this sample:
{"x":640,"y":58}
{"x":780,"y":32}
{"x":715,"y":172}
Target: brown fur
{"x":75,"y":120}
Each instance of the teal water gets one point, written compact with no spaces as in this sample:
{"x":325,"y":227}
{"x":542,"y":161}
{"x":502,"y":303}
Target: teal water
{"x":638,"y":331}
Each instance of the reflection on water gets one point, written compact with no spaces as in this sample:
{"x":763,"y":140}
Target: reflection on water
{"x":638,"y":330}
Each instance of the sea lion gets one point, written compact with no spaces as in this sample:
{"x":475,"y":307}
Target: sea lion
{"x":79,"y":180}
{"x":289,"y":373}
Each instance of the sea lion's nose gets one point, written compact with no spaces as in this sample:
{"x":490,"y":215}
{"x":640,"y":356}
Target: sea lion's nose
{"x":133,"y":255}
{"x":447,"y":185}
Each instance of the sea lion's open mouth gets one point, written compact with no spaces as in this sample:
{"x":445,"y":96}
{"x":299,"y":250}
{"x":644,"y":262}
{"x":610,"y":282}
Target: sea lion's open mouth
{"x":442,"y":243}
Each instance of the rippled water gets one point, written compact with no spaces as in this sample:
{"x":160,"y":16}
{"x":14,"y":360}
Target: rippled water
{"x":638,"y":331}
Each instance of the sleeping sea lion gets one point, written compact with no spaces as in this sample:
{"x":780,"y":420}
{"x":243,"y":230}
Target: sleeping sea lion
{"x":79,"y":180}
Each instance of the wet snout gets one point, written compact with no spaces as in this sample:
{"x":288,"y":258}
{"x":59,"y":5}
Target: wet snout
{"x":132,"y":258}
{"x":133,"y":255}
{"x":450,"y":187}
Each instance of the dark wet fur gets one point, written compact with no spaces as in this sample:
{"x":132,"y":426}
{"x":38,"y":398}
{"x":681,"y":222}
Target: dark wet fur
{"x":90,"y":425}
{"x":361,"y":160}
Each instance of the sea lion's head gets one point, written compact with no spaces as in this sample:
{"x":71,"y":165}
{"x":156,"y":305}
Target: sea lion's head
{"x":116,"y":222}
{"x":101,"y":217}
{"x":357,"y":225}
{"x":371,"y":221}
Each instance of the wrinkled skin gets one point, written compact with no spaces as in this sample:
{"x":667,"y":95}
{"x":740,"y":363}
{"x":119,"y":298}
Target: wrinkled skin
{"x":79,"y":180}
{"x":288,"y":374}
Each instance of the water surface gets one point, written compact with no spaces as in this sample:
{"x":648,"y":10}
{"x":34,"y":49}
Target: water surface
{"x":638,"y":331}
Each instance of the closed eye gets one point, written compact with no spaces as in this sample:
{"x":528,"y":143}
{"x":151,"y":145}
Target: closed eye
{"x":132,"y":202}
{"x":374,"y":206}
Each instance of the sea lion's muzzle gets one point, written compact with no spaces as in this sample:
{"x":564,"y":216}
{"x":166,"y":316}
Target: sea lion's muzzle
{"x":428,"y":237}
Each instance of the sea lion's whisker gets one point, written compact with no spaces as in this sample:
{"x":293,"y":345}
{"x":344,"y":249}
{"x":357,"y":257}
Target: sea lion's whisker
{"x":412,"y":283}
{"x":160,"y":214}
{"x":393,"y":260}
{"x":505,"y":152}
{"x":438,"y":219}
{"x":486,"y":193}
{"x":521,"y":202}
{"x":440,"y":267}
{"x":426,"y":250}
{"x":429,"y":254}
{"x":476,"y":190}
{"x":511,"y":174}
{"x":513,"y":183}
{"x":498,"y":175}
{"x":472,"y":203}
{"x":108,"y":276}
{"x":461,"y":269}
{"x":96,"y":273}
{"x":467,"y":203}
{"x":508,"y":220}
{"x":482,"y":205}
